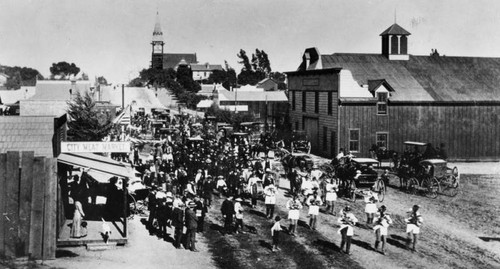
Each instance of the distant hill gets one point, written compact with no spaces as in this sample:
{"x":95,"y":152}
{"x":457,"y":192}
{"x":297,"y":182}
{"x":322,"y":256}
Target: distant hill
{"x":19,"y":76}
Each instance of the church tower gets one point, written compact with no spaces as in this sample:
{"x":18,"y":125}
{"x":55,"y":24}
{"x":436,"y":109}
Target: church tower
{"x":157,"y":45}
{"x":395,"y":43}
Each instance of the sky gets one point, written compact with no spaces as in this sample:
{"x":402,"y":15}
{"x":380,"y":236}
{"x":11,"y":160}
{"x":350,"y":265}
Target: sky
{"x":111,"y":38}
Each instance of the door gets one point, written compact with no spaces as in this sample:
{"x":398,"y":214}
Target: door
{"x":311,"y":126}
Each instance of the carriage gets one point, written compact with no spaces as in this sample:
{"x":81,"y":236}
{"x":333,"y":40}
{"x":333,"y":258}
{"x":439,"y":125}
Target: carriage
{"x":300,"y":142}
{"x":433,"y":176}
{"x":368,"y":181}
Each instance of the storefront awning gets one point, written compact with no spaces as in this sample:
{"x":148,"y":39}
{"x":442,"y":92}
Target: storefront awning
{"x":95,"y":162}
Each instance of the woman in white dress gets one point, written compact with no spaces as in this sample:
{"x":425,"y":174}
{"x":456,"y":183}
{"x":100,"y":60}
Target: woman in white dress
{"x":293,"y":205}
{"x":331,"y":195}
{"x":76,"y":227}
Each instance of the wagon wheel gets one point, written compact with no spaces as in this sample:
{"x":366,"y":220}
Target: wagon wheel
{"x":412,"y":185}
{"x":431,"y":186}
{"x":352,"y":190}
{"x":381,"y":192}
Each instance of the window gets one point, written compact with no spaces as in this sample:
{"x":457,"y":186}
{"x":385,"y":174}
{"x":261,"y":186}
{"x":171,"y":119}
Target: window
{"x":296,"y":125}
{"x":382,"y":138}
{"x":304,"y":101}
{"x":354,"y":140}
{"x":330,"y":103}
{"x":325,"y":138}
{"x":293,"y":100}
{"x":382,"y":103}
{"x":316,"y":102}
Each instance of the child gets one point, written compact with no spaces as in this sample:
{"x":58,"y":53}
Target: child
{"x":238,"y":209}
{"x":313,"y":202}
{"x":382,"y":223}
{"x":347,"y":222}
{"x":370,"y":208}
{"x":275,"y":233}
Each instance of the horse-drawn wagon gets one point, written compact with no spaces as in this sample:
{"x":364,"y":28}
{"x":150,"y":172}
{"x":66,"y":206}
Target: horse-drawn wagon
{"x":357,"y":177}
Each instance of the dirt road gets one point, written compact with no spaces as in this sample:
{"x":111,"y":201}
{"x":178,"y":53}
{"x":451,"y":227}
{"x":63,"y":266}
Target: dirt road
{"x":142,"y":251}
{"x":458,"y":232}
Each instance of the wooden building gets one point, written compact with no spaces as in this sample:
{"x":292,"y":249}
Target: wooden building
{"x":352,"y":101}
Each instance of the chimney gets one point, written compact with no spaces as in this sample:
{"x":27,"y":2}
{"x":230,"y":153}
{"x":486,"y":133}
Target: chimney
{"x":308,"y":60}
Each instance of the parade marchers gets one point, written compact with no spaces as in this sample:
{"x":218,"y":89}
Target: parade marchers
{"x":184,"y":175}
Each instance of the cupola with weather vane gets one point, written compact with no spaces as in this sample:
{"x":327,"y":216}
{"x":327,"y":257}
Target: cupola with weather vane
{"x":395,"y":43}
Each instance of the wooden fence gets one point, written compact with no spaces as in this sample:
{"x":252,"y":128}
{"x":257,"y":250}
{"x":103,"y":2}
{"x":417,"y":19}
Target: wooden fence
{"x":28,"y":205}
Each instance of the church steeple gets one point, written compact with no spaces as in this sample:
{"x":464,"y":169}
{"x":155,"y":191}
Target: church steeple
{"x":157,"y":33}
{"x":157,"y":45}
{"x":395,"y":43}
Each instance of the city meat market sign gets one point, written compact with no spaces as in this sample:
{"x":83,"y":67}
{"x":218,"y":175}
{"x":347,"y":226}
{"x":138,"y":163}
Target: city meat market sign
{"x":74,"y":147}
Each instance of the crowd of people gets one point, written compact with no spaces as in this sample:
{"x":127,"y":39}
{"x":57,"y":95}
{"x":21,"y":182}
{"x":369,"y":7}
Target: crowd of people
{"x":184,"y":175}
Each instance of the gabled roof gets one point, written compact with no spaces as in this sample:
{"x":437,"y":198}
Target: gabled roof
{"x":13,"y":96}
{"x":425,"y":78}
{"x":374,"y":84}
{"x":206,"y":67}
{"x":266,"y":80}
{"x":59,"y":89}
{"x":143,"y":97}
{"x":172,"y":60}
{"x":18,"y":133}
{"x":395,"y":30}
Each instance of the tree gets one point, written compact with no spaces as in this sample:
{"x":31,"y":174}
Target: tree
{"x":102,"y":80}
{"x":86,"y":123}
{"x":185,"y":79}
{"x":157,"y":77}
{"x":227,"y":77}
{"x":244,"y":60}
{"x":64,"y":69}
{"x":280,"y":78}
{"x":254,"y":71}
{"x":20,"y":76}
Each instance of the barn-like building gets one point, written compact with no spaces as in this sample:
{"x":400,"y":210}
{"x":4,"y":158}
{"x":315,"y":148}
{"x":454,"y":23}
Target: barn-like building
{"x":354,"y":100}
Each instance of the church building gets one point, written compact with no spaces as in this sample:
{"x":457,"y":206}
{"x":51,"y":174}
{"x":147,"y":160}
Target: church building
{"x":161,"y":60}
{"x":356,"y":100}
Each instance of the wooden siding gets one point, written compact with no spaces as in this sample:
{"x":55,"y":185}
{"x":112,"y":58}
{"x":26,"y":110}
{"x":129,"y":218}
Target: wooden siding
{"x":327,"y":83}
{"x":28,"y":202}
{"x":469,"y":132}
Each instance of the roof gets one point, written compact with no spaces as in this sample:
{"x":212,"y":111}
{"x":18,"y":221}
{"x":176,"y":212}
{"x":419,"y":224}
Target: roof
{"x":266,"y":80}
{"x":95,"y":162}
{"x":142,"y":96}
{"x":433,"y":161}
{"x":13,"y":96}
{"x":424,"y":78}
{"x":206,"y":67}
{"x":172,"y":60}
{"x":253,"y":96}
{"x":364,"y":160}
{"x":205,"y":104}
{"x":395,"y":29}
{"x":157,"y":32}
{"x":59,"y":89}
{"x":34,"y":133}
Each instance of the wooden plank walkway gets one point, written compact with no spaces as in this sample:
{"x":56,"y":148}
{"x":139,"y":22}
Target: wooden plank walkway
{"x":94,"y":229}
